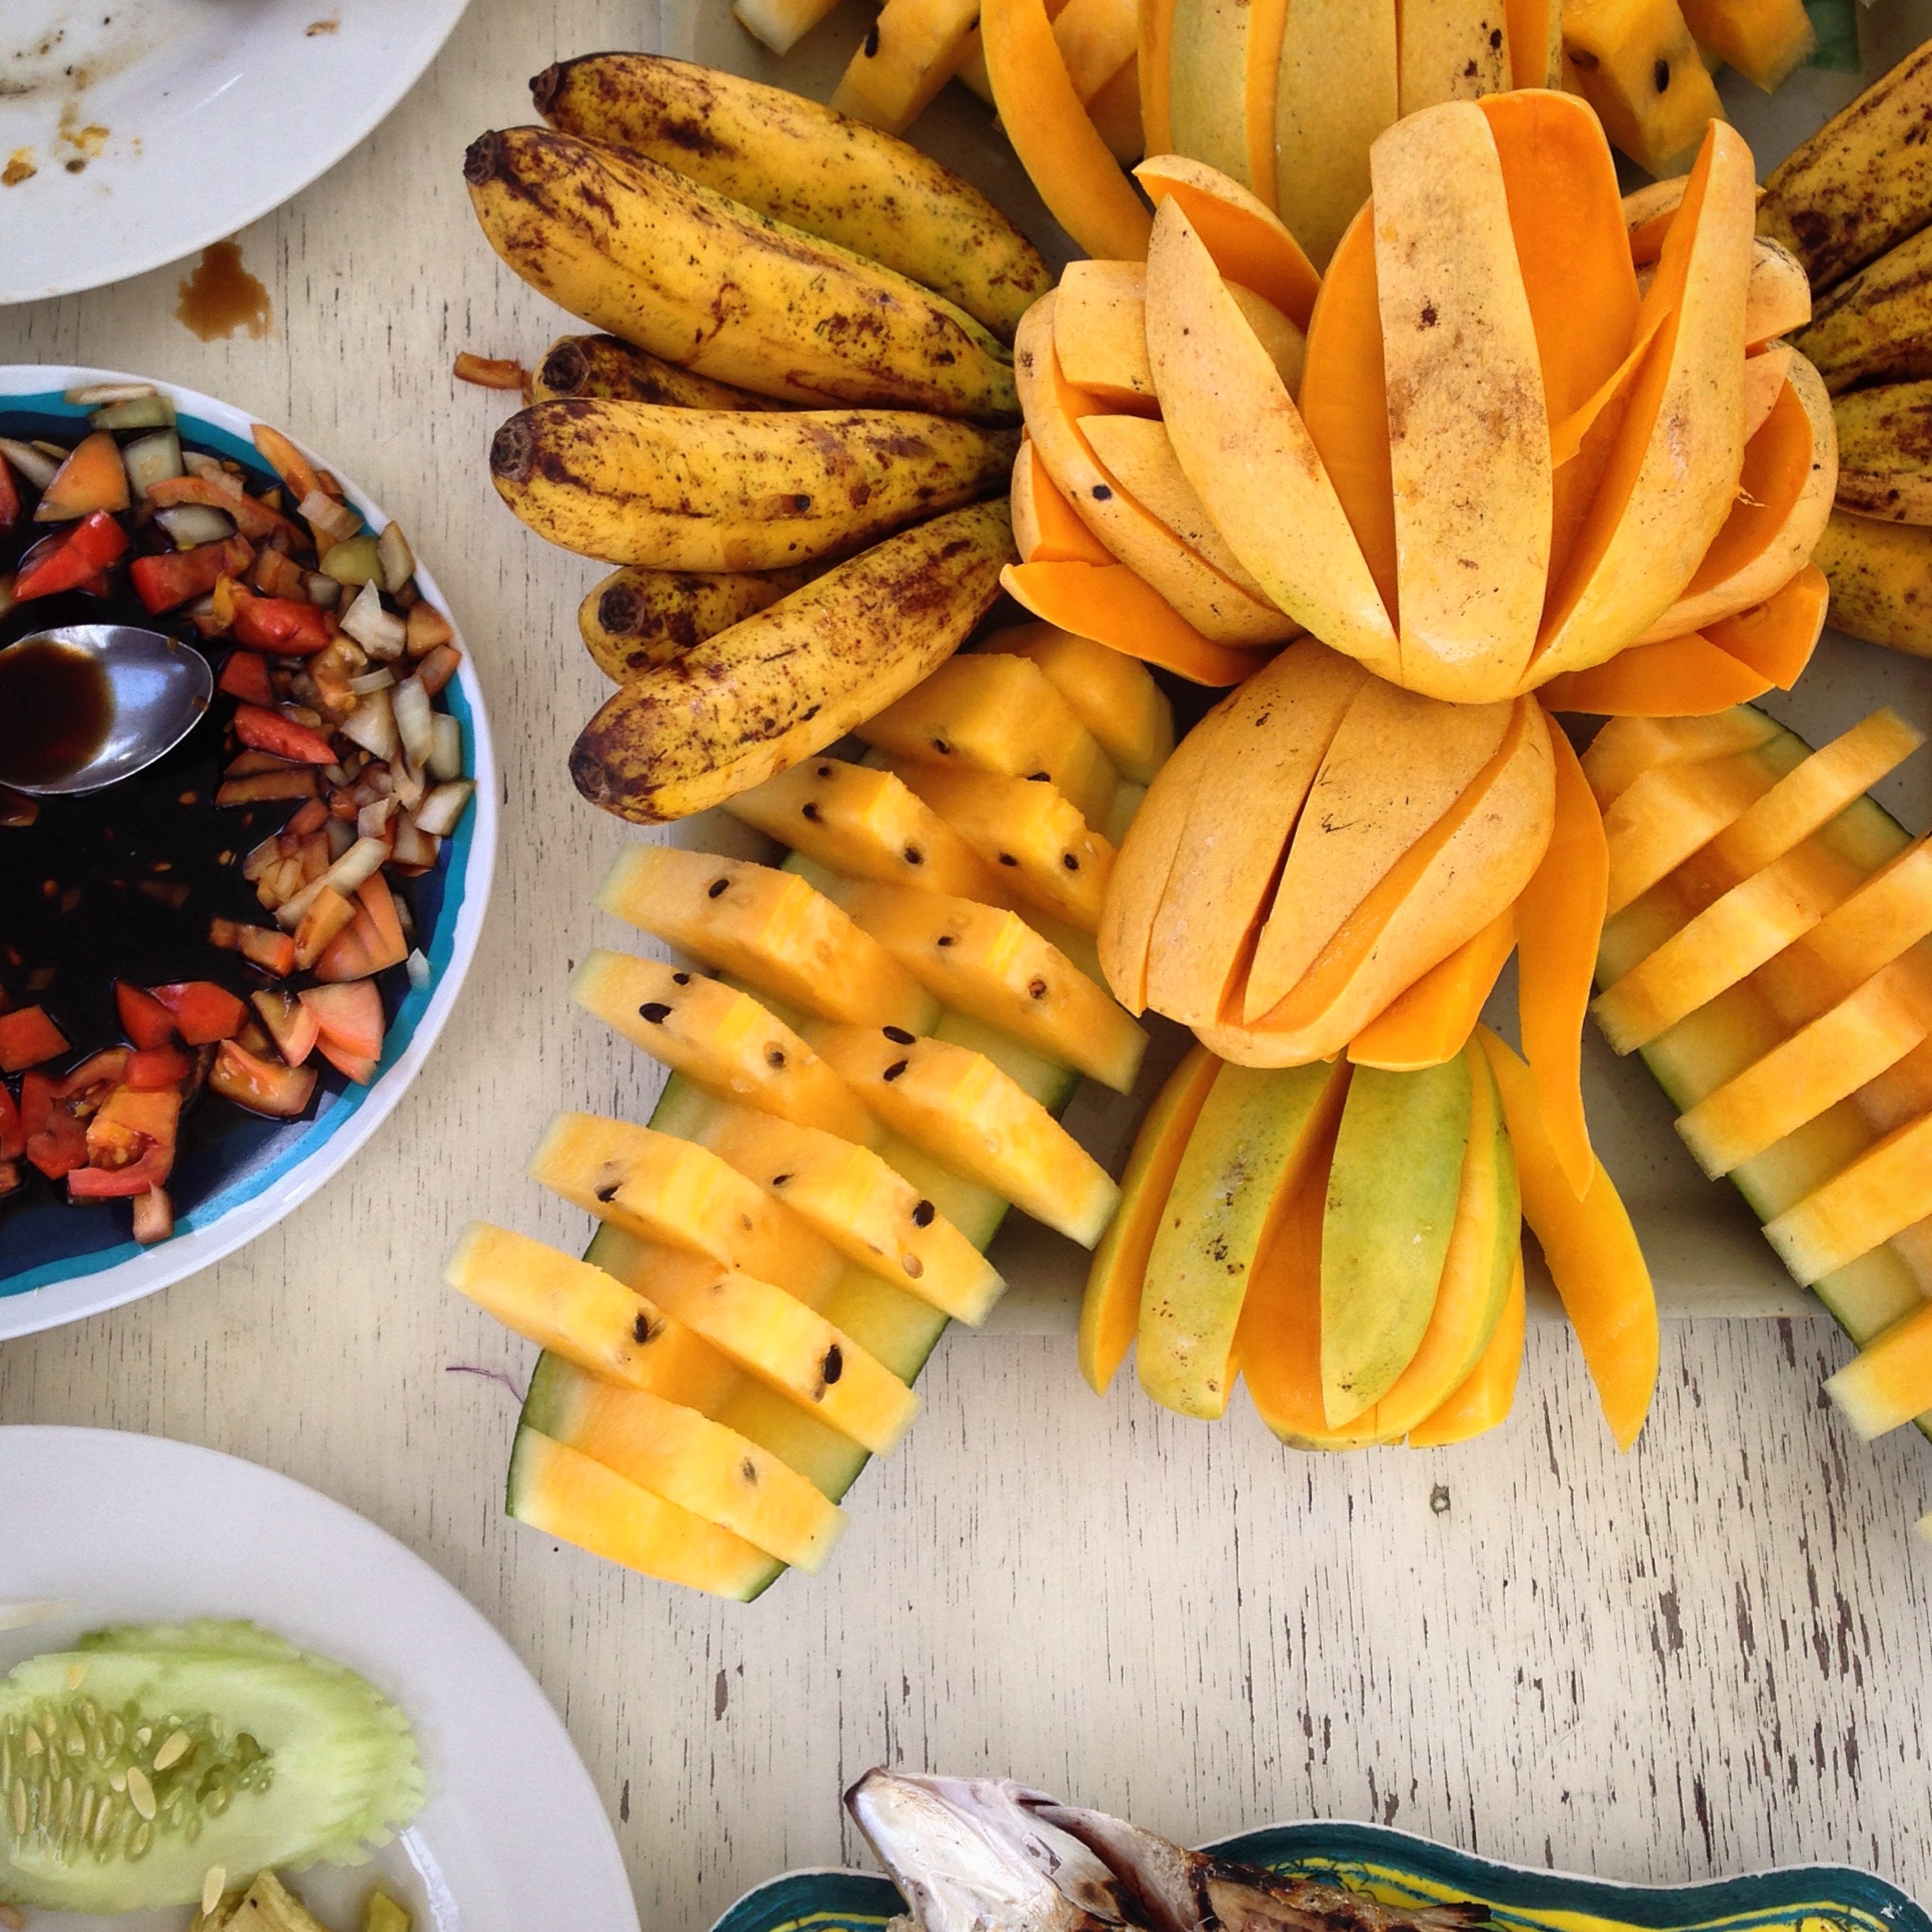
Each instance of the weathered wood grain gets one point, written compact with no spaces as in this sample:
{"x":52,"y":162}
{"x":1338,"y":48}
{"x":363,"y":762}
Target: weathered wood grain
{"x":1712,"y":1654}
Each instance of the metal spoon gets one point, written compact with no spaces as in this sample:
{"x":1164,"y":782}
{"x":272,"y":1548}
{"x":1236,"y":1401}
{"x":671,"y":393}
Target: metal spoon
{"x":157,"y":690}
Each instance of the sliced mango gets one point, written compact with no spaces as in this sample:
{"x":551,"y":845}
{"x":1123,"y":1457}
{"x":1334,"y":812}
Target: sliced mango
{"x":1683,"y":677}
{"x":1592,"y":1254}
{"x":1242,"y":445}
{"x":866,"y":824}
{"x":1139,"y":455}
{"x":1110,"y":1310}
{"x":766,"y":927}
{"x":1776,"y":637}
{"x":1099,"y":332}
{"x":1485,"y":1398}
{"x":1249,"y":244}
{"x":1046,"y":530}
{"x":1254,"y":1137}
{"x":1432,"y":1021}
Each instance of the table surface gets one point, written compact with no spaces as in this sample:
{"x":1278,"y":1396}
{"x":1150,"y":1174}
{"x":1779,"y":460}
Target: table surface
{"x":1710,"y":1655}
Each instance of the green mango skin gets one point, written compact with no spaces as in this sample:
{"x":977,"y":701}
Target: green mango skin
{"x":1385,"y":1226}
{"x":1247,"y":1150}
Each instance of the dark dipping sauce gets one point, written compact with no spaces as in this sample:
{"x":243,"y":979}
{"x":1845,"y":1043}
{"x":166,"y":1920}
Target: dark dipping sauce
{"x":55,"y":711}
{"x":121,"y":883}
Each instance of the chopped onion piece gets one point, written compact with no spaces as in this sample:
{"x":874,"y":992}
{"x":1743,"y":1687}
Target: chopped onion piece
{"x":91,"y":395}
{"x":416,"y":721}
{"x":34,"y":464}
{"x":418,"y":967}
{"x":363,"y":860}
{"x":439,"y":812}
{"x":379,"y":633}
{"x":324,"y":591}
{"x":372,"y":725}
{"x":188,"y":524}
{"x":327,"y":518}
{"x":413,"y":845}
{"x":409,"y":784}
{"x":138,"y":412}
{"x":341,"y":835}
{"x":151,"y":459}
{"x":371,"y":819}
{"x":446,"y":759}
{"x":378,"y":680}
{"x":263,"y":858}
{"x":398,"y":560}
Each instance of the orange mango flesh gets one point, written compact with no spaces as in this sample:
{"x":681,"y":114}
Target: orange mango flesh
{"x":1658,"y":316}
{"x":1342,"y":957}
{"x":1110,"y":1312}
{"x":1267,"y":22}
{"x":1249,"y":245}
{"x":1344,"y":399}
{"x":1115,"y":606}
{"x":1528,"y":24}
{"x":1776,"y":639}
{"x":1155,"y":56}
{"x":1432,"y":1021}
{"x":1592,"y":1250}
{"x":1278,"y":1343}
{"x":1777,"y":466}
{"x":1682,"y":677}
{"x":1045,"y":525}
{"x":1057,"y":142}
{"x":1562,"y":920}
{"x":1484,"y":1400}
{"x":1568,"y":222}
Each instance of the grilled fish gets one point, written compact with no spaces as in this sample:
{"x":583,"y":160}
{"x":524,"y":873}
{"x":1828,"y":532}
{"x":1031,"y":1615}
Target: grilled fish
{"x":986,"y":1854}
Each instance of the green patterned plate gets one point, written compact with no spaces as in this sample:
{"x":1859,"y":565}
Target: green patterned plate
{"x":1405,"y":1871}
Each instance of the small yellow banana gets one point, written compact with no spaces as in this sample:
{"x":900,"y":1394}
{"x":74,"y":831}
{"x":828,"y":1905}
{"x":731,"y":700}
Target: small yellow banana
{"x":1876,"y":327}
{"x":601,"y":365}
{"x":721,"y":489}
{"x":1881,"y":579}
{"x":636,"y":618}
{"x":1885,"y":452}
{"x":702,"y":280}
{"x":753,"y":700}
{"x":801,"y":163}
{"x":1861,"y":183}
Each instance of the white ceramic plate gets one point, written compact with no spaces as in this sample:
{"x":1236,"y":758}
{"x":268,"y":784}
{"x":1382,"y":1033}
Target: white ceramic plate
{"x":513,"y":1837}
{"x":155,"y":127}
{"x":43,"y":1284}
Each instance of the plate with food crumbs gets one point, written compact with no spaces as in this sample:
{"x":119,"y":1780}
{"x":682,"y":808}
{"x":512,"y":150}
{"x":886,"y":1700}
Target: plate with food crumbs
{"x":107,"y":112}
{"x":222,"y":967}
{"x":286,"y":1722}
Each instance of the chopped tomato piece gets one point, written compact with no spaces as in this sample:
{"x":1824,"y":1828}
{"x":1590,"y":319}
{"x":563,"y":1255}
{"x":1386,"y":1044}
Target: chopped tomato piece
{"x":36,"y":1102}
{"x":372,"y":943}
{"x":203,"y":1012}
{"x":291,"y":1025}
{"x":92,"y":479}
{"x":27,"y":1037}
{"x":311,"y":817}
{"x":350,"y":1017}
{"x":329,"y":914}
{"x":355,"y":1068}
{"x":11,"y":1178}
{"x":173,"y":577}
{"x":129,"y":1121}
{"x":279,"y":625}
{"x":259,"y":1084}
{"x":290,"y":781}
{"x":56,"y":1142}
{"x":244,"y":675}
{"x":269,"y":948}
{"x":153,"y":1216}
{"x":270,"y":732}
{"x":12,"y":1134}
{"x":143,"y":1019}
{"x":155,"y":1067}
{"x":134,"y":1177}
{"x":9,"y":497}
{"x":70,"y":559}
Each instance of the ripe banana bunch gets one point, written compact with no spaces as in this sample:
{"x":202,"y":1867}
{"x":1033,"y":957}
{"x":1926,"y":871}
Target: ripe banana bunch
{"x":788,"y":571}
{"x":1854,"y":203}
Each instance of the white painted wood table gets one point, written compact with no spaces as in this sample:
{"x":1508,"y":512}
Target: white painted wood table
{"x":1710,"y":1655}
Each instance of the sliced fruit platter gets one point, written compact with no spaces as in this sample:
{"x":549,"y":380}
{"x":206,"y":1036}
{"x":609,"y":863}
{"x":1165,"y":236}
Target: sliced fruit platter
{"x":1523,"y":456}
{"x":222,"y":969}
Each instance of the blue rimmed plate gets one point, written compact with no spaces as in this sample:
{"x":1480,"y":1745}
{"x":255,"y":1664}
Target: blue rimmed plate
{"x":58,"y":1264}
{"x":1412,"y":1872}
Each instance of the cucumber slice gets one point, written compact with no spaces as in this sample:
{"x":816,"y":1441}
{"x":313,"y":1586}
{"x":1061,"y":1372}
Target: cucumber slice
{"x":228,"y":1746}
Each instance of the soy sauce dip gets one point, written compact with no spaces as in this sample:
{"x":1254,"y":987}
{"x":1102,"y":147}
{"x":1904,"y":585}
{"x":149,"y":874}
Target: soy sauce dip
{"x":55,"y":708}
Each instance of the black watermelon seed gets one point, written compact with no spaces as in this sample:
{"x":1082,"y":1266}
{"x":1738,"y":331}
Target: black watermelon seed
{"x":896,"y":1069}
{"x":898,"y":1036}
{"x":774,"y":1056}
{"x":1662,"y":76}
{"x":922,"y":1214}
{"x":1007,"y":859}
{"x":810,"y":811}
{"x":1069,"y":861}
{"x":834,"y":1365}
{"x":914,"y":856}
{"x":655,"y":1011}
{"x":719,"y":886}
{"x":681,"y":979}
{"x":1038,"y":988}
{"x":640,"y":1328}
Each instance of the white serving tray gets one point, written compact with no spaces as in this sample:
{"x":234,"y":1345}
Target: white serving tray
{"x":1703,"y":1244}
